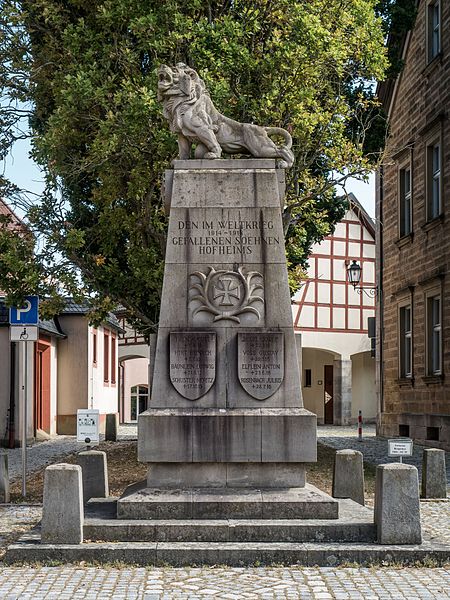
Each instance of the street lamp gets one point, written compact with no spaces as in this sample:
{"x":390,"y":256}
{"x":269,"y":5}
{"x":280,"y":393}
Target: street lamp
{"x":354,"y":277}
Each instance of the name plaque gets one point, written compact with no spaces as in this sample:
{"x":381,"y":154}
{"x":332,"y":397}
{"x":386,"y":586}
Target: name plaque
{"x":261,"y":363}
{"x":192,"y":362}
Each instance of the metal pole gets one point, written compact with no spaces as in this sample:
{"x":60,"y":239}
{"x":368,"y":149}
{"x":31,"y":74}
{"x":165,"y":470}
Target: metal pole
{"x":401,"y":458}
{"x":24,"y":421}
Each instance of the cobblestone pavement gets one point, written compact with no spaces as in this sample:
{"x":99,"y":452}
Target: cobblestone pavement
{"x":89,"y":583}
{"x":373,"y":448}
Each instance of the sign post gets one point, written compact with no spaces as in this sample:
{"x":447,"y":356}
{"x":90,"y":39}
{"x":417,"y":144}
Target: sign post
{"x":400,"y":447}
{"x":24,"y":321}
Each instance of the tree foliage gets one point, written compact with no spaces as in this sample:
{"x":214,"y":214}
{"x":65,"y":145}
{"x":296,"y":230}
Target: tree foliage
{"x":84,"y":73}
{"x":398,"y":17}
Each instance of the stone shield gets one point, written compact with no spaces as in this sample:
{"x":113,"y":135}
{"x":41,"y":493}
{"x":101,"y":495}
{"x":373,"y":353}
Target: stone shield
{"x":192,"y":362}
{"x":261,"y":363}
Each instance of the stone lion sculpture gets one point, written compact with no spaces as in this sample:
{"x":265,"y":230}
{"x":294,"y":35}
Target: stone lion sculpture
{"x":193,"y":116}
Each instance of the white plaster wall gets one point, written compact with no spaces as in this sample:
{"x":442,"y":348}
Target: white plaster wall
{"x":102,"y":395}
{"x":313,"y":397}
{"x":363,"y":386}
{"x":135,"y":350}
{"x":343,"y":345}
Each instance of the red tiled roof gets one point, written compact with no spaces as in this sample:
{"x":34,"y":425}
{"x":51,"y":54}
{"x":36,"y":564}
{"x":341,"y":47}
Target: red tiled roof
{"x":15,"y":221}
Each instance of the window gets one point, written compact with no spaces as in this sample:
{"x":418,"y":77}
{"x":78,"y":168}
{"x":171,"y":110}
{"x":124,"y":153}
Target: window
{"x":405,"y":202}
{"x":433,"y":434}
{"x":307,"y":378}
{"x":405,"y":341}
{"x":139,"y":398}
{"x":433,"y":180}
{"x":94,"y":347}
{"x":403,"y":430}
{"x":434,"y":337}
{"x":106,"y":356}
{"x":434,"y":29}
{"x":113,"y":359}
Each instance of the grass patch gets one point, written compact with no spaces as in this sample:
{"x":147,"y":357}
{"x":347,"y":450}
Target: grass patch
{"x":123,"y":470}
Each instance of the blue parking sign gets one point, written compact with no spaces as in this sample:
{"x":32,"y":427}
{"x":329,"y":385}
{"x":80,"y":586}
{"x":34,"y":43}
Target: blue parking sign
{"x":28,"y":314}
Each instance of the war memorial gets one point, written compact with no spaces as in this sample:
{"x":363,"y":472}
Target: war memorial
{"x":226,"y":438}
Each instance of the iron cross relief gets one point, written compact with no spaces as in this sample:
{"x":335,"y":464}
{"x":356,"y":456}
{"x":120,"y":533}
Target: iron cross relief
{"x":225,"y":291}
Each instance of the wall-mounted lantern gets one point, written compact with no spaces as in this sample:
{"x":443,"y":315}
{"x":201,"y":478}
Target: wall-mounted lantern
{"x":354,"y":277}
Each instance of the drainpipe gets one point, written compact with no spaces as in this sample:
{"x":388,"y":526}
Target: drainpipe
{"x":380,"y":315}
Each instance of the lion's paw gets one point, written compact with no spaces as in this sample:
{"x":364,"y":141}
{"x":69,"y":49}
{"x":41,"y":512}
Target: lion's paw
{"x":211,"y":155}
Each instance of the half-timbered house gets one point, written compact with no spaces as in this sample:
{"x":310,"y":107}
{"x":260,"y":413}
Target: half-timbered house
{"x":338,"y":369}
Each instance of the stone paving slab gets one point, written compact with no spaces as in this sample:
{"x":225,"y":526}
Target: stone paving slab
{"x":308,"y":583}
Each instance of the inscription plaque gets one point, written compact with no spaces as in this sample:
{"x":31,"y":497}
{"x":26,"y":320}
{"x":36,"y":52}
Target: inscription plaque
{"x":261,"y":363}
{"x":211,"y":235}
{"x":192,"y":362}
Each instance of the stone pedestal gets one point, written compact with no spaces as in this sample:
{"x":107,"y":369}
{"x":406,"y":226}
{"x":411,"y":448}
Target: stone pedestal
{"x":348,"y":475}
{"x":397,"y":506}
{"x":434,"y":476}
{"x":111,"y":427}
{"x":62,"y":510}
{"x":95,"y":474}
{"x":226,"y":407}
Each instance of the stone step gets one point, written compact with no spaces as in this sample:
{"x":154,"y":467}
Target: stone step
{"x":30,"y":550}
{"x":252,"y":530}
{"x":355,"y":524}
{"x":228,"y":503}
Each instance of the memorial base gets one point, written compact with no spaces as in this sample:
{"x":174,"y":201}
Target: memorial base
{"x":227,"y":503}
{"x":226,"y":475}
{"x":265,"y":447}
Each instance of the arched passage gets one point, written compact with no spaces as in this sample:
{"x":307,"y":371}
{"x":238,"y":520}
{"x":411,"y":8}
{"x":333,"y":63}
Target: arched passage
{"x":134,"y":379}
{"x":318,"y":382}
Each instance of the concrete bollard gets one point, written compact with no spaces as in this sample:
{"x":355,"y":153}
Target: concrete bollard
{"x":348,"y":475}
{"x":4,"y":478}
{"x":111,"y":427}
{"x":434,"y":477}
{"x":94,"y":473}
{"x":397,"y":506}
{"x":62,"y":511}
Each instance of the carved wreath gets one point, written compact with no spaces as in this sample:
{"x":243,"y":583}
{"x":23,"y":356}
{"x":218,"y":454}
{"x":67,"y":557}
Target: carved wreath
{"x":249,"y":287}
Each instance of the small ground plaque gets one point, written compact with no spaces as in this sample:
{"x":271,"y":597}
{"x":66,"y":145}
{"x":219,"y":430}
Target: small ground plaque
{"x":192,"y":362}
{"x":400,"y":447}
{"x":261,"y":363}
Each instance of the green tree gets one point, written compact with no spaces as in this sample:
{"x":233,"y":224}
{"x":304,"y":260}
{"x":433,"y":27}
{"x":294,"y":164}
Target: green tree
{"x":84,"y":74}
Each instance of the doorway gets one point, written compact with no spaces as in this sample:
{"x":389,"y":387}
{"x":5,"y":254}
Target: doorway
{"x":42,"y":373}
{"x":328,"y":394}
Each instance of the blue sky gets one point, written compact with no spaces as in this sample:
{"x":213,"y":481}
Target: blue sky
{"x":20,"y":169}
